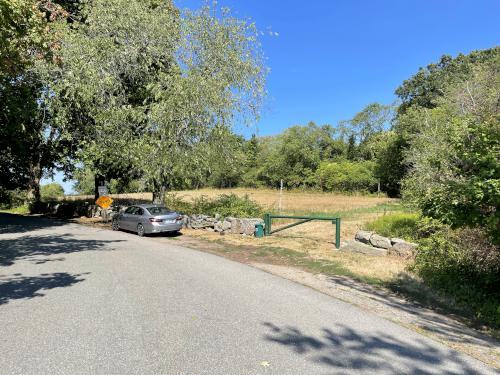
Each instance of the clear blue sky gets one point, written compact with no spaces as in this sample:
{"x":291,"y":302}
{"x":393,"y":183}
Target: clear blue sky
{"x":331,"y":58}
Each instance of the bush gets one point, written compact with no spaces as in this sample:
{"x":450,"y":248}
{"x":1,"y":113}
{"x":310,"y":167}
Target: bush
{"x":51,"y":191}
{"x":463,"y":264}
{"x":224,"y":205}
{"x":12,"y":198}
{"x":346,"y":176}
{"x":402,"y":225}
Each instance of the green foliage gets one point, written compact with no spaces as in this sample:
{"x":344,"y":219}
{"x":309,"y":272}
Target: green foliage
{"x":12,"y":198}
{"x":371,"y":120}
{"x":402,"y":225}
{"x":18,"y":210}
{"x":453,"y":154}
{"x":224,"y":205}
{"x":346,"y":176}
{"x":84,"y":181}
{"x":294,"y":156}
{"x":425,"y":87}
{"x":465,"y":265}
{"x":51,"y":191}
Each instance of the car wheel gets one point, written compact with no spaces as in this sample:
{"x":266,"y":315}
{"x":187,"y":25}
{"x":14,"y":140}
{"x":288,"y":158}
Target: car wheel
{"x":115,"y":225}
{"x":140,"y":230}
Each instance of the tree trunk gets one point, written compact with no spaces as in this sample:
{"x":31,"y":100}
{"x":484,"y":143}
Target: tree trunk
{"x":35,"y":176}
{"x":98,"y":181}
{"x":159,"y":195}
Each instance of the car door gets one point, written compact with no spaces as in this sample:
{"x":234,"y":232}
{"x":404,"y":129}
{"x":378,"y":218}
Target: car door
{"x":127,"y":218}
{"x":136,"y":218}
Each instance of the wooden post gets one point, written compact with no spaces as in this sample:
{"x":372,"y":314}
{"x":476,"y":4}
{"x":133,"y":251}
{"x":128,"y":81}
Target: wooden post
{"x":281,"y":194}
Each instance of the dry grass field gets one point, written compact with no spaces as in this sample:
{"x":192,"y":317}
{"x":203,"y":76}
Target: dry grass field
{"x":294,"y":201}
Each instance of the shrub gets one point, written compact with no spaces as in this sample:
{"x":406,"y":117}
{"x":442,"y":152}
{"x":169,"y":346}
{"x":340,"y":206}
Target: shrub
{"x":51,"y":191}
{"x":346,"y":176}
{"x":12,"y":198}
{"x":224,"y":205}
{"x":463,"y":264}
{"x":176,"y":203}
{"x":403,"y":225}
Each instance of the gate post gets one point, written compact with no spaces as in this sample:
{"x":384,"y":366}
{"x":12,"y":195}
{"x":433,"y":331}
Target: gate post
{"x":267,"y":224}
{"x":337,"y":233}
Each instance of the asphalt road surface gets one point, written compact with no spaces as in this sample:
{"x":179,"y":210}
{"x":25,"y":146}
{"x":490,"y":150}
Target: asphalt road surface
{"x":78,"y":300}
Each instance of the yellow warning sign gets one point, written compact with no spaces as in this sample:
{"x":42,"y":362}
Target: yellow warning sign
{"x":104,"y":201}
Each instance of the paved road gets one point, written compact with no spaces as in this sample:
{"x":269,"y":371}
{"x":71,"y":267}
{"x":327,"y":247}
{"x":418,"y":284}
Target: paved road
{"x":77,"y":300}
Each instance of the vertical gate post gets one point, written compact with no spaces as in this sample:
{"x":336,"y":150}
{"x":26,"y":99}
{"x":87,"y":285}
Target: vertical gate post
{"x":337,"y":233}
{"x":267,"y":224}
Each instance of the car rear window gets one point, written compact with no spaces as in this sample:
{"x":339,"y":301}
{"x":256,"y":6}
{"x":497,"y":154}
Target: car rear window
{"x":158,"y":210}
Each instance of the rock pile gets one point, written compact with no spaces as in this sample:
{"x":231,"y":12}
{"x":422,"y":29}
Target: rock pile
{"x":381,"y":245}
{"x":216,"y":223}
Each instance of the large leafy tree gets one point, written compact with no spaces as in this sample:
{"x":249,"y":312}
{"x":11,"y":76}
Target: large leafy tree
{"x":141,"y":89}
{"x":29,"y":144}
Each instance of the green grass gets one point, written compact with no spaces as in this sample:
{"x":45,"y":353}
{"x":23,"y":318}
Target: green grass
{"x":20,"y":210}
{"x":401,"y":224}
{"x":297,"y":259}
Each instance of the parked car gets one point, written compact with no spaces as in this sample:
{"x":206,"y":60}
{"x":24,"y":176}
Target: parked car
{"x":147,"y":218}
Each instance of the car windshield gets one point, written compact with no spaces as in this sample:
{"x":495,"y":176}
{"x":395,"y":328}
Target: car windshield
{"x":158,"y":210}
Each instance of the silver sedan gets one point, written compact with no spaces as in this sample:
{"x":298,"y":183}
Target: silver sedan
{"x":148,"y":218}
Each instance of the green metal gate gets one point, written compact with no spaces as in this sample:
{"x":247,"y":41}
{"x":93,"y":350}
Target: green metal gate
{"x":303,"y":219}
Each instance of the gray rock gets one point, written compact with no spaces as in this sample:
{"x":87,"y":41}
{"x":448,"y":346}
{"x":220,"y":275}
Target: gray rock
{"x":363,"y":236}
{"x":244,"y":226}
{"x":379,"y":241}
{"x":403,"y":249}
{"x":358,"y":247}
{"x":218,"y":226}
{"x":396,"y":240}
{"x":226,"y":225}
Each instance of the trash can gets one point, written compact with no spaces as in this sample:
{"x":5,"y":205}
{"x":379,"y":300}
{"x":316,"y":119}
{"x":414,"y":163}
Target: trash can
{"x":259,"y":230}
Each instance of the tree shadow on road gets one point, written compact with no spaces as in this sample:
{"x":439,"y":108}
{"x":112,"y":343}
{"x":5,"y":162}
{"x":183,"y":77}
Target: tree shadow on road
{"x":443,"y":323}
{"x":347,"y":351}
{"x":41,"y":249}
{"x":27,"y":287}
{"x":11,"y":223}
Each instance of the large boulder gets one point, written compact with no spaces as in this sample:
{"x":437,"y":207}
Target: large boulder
{"x":379,"y":241}
{"x":403,"y":249}
{"x":358,"y":247}
{"x":396,"y":240}
{"x":244,"y":226}
{"x":363,"y":236}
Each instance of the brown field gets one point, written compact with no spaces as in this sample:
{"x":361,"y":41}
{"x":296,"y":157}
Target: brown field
{"x":294,"y":201}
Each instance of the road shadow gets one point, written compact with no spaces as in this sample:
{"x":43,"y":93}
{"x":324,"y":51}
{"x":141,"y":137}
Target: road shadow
{"x":166,"y":234}
{"x":40,"y":249}
{"x":427,"y":316}
{"x":344,"y":350}
{"x":11,"y":223}
{"x":27,"y":287}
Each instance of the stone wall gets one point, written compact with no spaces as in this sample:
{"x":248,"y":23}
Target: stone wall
{"x":245,"y":226}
